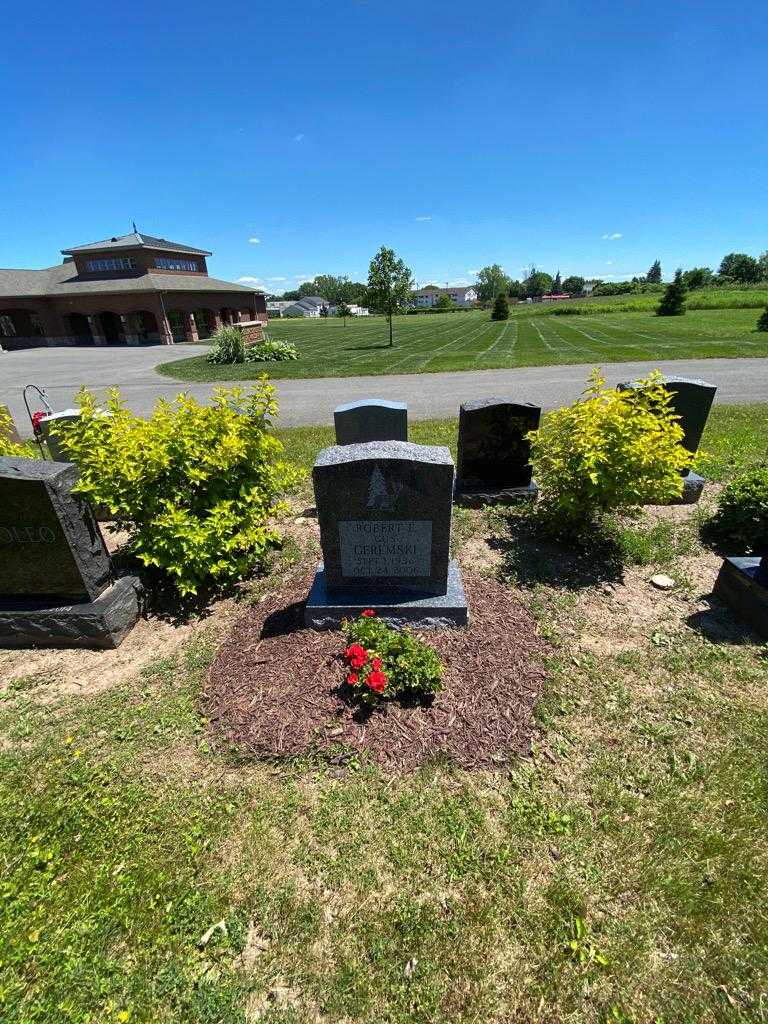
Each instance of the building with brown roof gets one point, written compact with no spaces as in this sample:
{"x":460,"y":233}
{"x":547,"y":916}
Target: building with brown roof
{"x":130,"y":290}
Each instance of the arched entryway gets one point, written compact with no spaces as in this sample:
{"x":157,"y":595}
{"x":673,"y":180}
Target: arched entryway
{"x":112,"y":328}
{"x":205,"y":322}
{"x":177,"y":324}
{"x":20,"y":323}
{"x":79,"y":328}
{"x":144,"y":324}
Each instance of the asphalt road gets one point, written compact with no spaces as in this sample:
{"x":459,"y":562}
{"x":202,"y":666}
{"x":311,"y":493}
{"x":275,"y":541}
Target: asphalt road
{"x":61,"y":371}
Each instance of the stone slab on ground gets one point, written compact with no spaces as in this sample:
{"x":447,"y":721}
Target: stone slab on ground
{"x":326,"y":610}
{"x":742,"y":584}
{"x":102,"y":623}
{"x":477,"y":497}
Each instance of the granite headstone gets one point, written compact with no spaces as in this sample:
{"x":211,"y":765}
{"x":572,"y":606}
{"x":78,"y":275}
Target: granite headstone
{"x":742,"y":584}
{"x":691,"y":400}
{"x":373,"y":419}
{"x":384,"y":510}
{"x":493,"y":462}
{"x":56,"y":582}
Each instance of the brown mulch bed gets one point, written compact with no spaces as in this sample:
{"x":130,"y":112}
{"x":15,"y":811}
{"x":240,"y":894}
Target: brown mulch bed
{"x":275,"y":691}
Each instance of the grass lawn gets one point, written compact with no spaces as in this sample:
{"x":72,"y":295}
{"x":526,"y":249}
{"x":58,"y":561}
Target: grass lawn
{"x":619,"y":874}
{"x":472,"y":341}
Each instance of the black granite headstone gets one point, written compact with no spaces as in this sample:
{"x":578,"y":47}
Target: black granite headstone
{"x":493,"y":453}
{"x":56,"y":583}
{"x":373,"y":419}
{"x":742,"y":584}
{"x":384,"y":510}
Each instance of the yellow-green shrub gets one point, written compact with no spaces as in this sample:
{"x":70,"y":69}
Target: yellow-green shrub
{"x":7,"y":446}
{"x":197,"y":487}
{"x":611,"y":450}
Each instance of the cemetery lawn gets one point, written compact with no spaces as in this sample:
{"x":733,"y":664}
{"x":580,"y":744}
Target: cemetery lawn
{"x":472,"y":341}
{"x":619,"y":875}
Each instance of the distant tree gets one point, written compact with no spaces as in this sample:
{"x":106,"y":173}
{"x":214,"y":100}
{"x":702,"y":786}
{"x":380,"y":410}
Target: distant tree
{"x":490,"y":281}
{"x":762,"y":323}
{"x":574,"y":284}
{"x":673,"y":301}
{"x":557,"y":284}
{"x":293,"y":295}
{"x":444,"y":302}
{"x":343,"y":311}
{"x":654,"y":274}
{"x":500,"y":308}
{"x":515,"y":289}
{"x":389,"y":284}
{"x":697,"y":277}
{"x":740,"y":267}
{"x":537,"y":283}
{"x":763,"y":265}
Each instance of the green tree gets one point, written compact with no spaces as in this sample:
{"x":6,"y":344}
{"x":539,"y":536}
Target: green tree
{"x":444,"y":302}
{"x":389,"y":284}
{"x":490,"y":281}
{"x":293,"y":295}
{"x":515,"y":289}
{"x":762,"y":323}
{"x":740,"y":267}
{"x":697,"y":277}
{"x":673,"y":301}
{"x":762,"y":264}
{"x":557,"y":284}
{"x":654,"y":274}
{"x":574,"y":284}
{"x":500,"y":308}
{"x":537,"y":283}
{"x":343,"y":311}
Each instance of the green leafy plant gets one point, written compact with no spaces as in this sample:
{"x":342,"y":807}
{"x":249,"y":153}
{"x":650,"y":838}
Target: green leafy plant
{"x":228,"y":346}
{"x":581,"y":948}
{"x":762,"y":323}
{"x":740,"y":524}
{"x":673,"y":300}
{"x":8,"y":447}
{"x":612,"y":450}
{"x":197,"y":487}
{"x":271,"y":351}
{"x":500,"y":309}
{"x":385,"y":663}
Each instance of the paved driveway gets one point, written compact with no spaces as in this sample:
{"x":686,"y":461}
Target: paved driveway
{"x":303,"y":402}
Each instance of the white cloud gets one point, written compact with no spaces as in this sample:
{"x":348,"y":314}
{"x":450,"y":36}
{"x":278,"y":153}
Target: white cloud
{"x":299,"y":137}
{"x":255,"y":241}
{"x":459,"y":282}
{"x":613,"y":237}
{"x":424,"y":216}
{"x":277,"y":278}
{"x":609,"y":263}
{"x":249,"y":280}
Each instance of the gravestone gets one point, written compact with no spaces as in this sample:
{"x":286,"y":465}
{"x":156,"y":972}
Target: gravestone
{"x":742,"y":584}
{"x":14,"y":437}
{"x":691,"y":401}
{"x":372,"y":419}
{"x":493,"y":464}
{"x":49,"y":427}
{"x":384,"y":510}
{"x":56,"y":583}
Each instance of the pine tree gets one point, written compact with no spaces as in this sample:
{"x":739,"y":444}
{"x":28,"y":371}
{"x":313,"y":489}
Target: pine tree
{"x":500,"y":308}
{"x":673,"y":302}
{"x":557,"y":285}
{"x":654,"y":274}
{"x":762,"y":323}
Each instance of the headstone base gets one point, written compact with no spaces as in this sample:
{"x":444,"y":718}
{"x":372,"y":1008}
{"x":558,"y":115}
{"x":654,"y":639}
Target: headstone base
{"x":476,"y":497}
{"x":325,"y":611}
{"x":740,"y":586}
{"x":103,"y":623}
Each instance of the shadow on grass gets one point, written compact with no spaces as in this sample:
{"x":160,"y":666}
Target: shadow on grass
{"x":720,"y":625}
{"x":531,"y":556}
{"x":365,"y":348}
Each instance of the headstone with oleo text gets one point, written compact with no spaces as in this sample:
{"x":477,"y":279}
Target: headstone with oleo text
{"x":384,"y":510}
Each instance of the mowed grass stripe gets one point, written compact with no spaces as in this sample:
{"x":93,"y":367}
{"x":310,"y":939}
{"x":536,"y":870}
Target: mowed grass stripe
{"x":471,"y":340}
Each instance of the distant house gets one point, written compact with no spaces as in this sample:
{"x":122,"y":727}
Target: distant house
{"x":429,"y":296}
{"x":589,"y":287}
{"x":354,"y":310}
{"x":555,"y":297}
{"x":310,"y":305}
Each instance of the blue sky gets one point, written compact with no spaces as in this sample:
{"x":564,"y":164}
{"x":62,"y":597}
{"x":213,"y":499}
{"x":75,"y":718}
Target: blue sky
{"x":295,"y":139}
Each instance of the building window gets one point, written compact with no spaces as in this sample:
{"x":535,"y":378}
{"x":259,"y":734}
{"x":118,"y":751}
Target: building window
{"x":166,"y":263}
{"x":114,"y":263}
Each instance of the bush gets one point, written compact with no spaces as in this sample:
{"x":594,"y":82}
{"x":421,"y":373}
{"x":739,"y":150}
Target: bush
{"x":228,"y":346}
{"x":610,"y":451}
{"x":195,"y":486}
{"x":8,"y":447}
{"x":762,"y":323}
{"x":500,"y":308}
{"x":673,"y":300}
{"x":386,"y":663}
{"x":269,"y":351}
{"x":740,"y":525}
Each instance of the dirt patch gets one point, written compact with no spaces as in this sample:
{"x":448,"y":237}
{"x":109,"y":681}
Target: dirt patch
{"x":274,"y":690}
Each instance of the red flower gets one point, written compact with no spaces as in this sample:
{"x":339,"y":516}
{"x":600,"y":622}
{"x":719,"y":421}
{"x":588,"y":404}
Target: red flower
{"x":376,"y":664}
{"x":36,"y":417}
{"x":367,"y":613}
{"x":377,"y":681}
{"x":353,"y":679}
{"x":355,"y":651}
